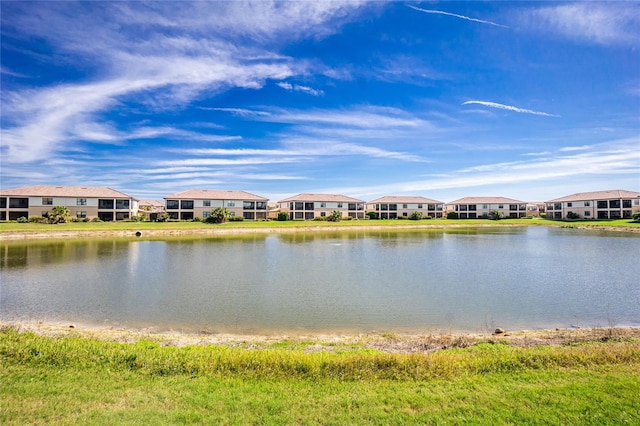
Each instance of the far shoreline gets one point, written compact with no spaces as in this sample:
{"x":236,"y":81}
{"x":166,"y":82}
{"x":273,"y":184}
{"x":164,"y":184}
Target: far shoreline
{"x":140,"y":230}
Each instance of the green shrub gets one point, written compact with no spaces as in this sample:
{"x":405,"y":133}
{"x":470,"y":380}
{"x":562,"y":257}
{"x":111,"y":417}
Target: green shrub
{"x":320,"y":218}
{"x":37,"y":219}
{"x":283,"y":216}
{"x":335,"y":216}
{"x":162,"y":217}
{"x":197,"y":219}
{"x":218,"y":215}
{"x":415,"y":216}
{"x":496,"y":215}
{"x":22,"y":220}
{"x":96,"y":219}
{"x":372,"y":215}
{"x":236,"y":219}
{"x":572,"y":215}
{"x":636,"y":217}
{"x":452,"y":215}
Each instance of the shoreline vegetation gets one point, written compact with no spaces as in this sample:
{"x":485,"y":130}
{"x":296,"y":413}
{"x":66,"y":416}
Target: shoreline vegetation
{"x":26,"y":231}
{"x":588,"y":376}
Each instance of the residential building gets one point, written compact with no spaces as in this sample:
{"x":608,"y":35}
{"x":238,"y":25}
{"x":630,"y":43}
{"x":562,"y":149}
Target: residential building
{"x":84,"y":202}
{"x":392,"y":207}
{"x":480,"y":207}
{"x":193,"y":203}
{"x":151,"y":209}
{"x":614,"y":204}
{"x":310,"y":206}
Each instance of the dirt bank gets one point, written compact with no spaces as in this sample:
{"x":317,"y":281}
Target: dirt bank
{"x":386,"y":342}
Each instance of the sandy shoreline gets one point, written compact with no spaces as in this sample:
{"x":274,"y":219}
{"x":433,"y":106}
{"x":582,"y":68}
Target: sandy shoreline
{"x":218,"y":231}
{"x":386,"y":342}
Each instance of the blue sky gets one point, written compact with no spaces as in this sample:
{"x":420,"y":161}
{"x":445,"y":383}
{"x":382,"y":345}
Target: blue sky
{"x":528,"y":100}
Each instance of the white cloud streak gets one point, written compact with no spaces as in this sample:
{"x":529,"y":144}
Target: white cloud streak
{"x":467,"y":18}
{"x":603,"y":23}
{"x":298,"y":88}
{"x":508,"y":108}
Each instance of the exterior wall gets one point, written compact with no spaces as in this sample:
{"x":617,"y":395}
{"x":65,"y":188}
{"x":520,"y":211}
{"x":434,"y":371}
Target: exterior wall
{"x":79,"y":207}
{"x":394,"y":210}
{"x":594,"y":209}
{"x":479,"y":211}
{"x":309,"y":210}
{"x":184,"y":209}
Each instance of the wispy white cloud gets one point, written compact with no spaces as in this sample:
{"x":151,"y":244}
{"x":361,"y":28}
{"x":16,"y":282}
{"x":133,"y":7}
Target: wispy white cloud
{"x":616,"y":158}
{"x":467,"y":18}
{"x":596,"y":22}
{"x":156,"y":55}
{"x":242,"y":112}
{"x":509,"y":108}
{"x":298,"y":88}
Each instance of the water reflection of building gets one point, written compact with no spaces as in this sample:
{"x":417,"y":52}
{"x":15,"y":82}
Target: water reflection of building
{"x":83,"y":202}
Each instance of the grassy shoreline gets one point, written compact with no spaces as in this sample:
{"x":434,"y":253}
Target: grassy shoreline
{"x":71,"y":379}
{"x":19,"y":231}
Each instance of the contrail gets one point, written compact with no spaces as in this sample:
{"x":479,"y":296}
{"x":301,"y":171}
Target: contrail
{"x":509,"y":107}
{"x":440,"y":12}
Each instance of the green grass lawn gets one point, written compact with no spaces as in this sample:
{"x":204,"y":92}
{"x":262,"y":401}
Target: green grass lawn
{"x":73,"y":380}
{"x":268,"y":225}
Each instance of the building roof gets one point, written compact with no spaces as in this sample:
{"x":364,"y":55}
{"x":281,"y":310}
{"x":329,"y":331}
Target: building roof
{"x":321,"y":197}
{"x":486,"y":200}
{"x":405,"y":199}
{"x":152,"y":203}
{"x":598,"y":195}
{"x":214,"y":194}
{"x":65,"y":191}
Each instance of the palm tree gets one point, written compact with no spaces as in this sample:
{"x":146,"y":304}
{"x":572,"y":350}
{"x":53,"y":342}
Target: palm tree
{"x":59,"y":214}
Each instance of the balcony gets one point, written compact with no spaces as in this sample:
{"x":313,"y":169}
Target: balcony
{"x":106,"y":204}
{"x":18,"y":203}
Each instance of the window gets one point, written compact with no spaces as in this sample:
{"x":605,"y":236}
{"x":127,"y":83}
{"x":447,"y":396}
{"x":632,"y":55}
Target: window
{"x":173,"y":205}
{"x":122,"y":204}
{"x":308,"y":206}
{"x":602,"y":204}
{"x":501,"y":206}
{"x":261,"y":205}
{"x":186,"y":204}
{"x":81,"y":214}
{"x":419,"y":206}
{"x":557,"y":206}
{"x":206,"y":214}
{"x":587,"y":203}
{"x":626,"y":204}
{"x":431,"y":207}
{"x":513,"y":207}
{"x":404,"y":206}
{"x":569,"y":204}
{"x":404,"y":214}
{"x":206,"y":203}
{"x":47,"y":201}
{"x":485,"y":206}
{"x":3,"y":203}
{"x":81,"y":201}
{"x":587,"y":213}
{"x":352,"y":206}
{"x":248,"y":205}
{"x":323,"y":204}
{"x":231,"y":203}
{"x":339,"y":205}
{"x":393,"y":207}
{"x":323,"y":214}
{"x":106,"y":204}
{"x":299,"y":206}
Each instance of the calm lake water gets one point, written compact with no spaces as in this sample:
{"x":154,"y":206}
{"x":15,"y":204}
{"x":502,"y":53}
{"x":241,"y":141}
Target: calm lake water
{"x":384,"y":281}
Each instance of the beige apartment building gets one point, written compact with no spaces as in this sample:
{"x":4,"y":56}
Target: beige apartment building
{"x":480,"y":207}
{"x":84,"y":202}
{"x":193,"y":203}
{"x":310,"y":206}
{"x":392,"y":207}
{"x":613,"y":204}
